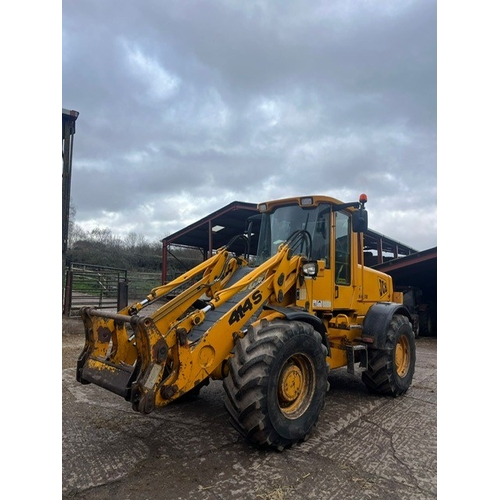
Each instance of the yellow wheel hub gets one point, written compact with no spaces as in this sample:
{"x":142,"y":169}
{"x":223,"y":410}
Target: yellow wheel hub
{"x":291,"y":383}
{"x":402,"y":356}
{"x":296,"y":386}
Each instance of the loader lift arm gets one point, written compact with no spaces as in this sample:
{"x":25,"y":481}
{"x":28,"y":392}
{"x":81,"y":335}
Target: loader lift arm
{"x":110,"y":355}
{"x":210,"y":267}
{"x":152,"y":360}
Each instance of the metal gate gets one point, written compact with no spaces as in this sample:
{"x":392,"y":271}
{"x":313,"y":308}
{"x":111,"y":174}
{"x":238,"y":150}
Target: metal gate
{"x":95,"y":286}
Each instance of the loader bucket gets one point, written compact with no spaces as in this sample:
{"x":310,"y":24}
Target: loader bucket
{"x":124,"y":354}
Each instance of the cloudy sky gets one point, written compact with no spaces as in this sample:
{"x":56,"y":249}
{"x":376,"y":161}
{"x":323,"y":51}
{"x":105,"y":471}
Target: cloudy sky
{"x":186,"y":106}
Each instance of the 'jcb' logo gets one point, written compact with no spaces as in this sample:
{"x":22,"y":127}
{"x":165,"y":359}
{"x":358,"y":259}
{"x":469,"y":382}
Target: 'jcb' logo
{"x":247,"y":306}
{"x":382,"y":287}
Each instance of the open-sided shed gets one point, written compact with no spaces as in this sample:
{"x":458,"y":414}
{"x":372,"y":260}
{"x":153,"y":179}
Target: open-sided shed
{"x":218,"y":228}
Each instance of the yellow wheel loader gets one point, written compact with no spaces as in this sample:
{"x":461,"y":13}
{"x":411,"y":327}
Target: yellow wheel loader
{"x":271,"y":326}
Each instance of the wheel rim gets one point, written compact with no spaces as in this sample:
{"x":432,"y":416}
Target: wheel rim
{"x":402,"y":356}
{"x":296,"y":386}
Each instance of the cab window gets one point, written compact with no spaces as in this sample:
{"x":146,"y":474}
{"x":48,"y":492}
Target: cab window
{"x":342,"y":249}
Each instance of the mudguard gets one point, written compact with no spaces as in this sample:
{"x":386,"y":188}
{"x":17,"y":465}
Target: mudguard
{"x":377,"y":321}
{"x":295,"y":314}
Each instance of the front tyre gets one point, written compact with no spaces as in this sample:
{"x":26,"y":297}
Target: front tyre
{"x":277,"y":383}
{"x":390,"y":369}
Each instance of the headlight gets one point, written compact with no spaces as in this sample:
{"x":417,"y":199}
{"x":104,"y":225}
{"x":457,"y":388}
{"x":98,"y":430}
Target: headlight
{"x":310,"y":269}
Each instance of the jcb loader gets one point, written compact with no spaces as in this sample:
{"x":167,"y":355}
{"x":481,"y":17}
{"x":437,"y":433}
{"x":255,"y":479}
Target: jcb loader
{"x":272,"y":330}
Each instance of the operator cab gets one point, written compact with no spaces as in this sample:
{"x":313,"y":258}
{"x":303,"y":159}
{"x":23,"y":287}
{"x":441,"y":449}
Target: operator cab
{"x":312,"y":223}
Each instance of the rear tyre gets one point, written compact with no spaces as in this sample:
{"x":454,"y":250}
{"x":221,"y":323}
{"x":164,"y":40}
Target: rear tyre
{"x":416,"y":326}
{"x":277,"y":382}
{"x":425,"y":321}
{"x":390,"y":369}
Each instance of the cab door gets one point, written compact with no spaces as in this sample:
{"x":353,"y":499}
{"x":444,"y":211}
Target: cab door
{"x":342,"y":268}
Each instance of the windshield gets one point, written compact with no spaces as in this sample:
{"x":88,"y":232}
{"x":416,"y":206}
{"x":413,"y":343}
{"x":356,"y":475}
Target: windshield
{"x":312,"y":226}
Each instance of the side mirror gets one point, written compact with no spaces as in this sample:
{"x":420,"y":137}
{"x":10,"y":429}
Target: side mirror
{"x":360,"y":221}
{"x":251,"y":220}
{"x":252,"y":224}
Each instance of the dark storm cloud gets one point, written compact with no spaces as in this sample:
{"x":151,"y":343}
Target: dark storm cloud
{"x":186,"y":106}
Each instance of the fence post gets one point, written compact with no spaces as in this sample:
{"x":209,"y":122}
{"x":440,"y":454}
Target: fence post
{"x":122,"y":294}
{"x":67,"y":292}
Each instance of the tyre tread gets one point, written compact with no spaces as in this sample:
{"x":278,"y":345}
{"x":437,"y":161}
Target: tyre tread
{"x":248,"y":378}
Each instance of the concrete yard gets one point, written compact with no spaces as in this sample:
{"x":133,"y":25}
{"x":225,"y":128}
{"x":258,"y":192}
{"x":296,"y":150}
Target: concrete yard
{"x":364,"y":446}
